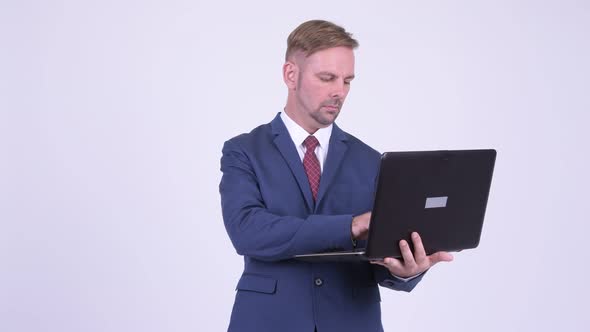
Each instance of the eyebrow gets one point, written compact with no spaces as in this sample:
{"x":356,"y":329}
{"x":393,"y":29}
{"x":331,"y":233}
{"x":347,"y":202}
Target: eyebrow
{"x":351,"y":77}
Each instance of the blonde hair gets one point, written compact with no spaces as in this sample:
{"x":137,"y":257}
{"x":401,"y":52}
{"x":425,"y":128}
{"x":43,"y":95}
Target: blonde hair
{"x":317,"y":35}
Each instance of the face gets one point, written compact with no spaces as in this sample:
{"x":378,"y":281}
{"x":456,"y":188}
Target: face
{"x":321,"y":84}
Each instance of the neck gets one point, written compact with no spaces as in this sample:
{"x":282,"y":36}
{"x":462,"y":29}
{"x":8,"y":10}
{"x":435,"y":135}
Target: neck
{"x":294,"y":113}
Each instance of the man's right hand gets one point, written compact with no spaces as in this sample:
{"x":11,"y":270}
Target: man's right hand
{"x":360,"y":226}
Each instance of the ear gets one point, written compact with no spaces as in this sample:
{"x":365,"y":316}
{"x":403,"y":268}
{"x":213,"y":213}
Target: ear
{"x":290,"y":74}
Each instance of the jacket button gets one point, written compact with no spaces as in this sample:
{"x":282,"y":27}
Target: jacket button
{"x":318,"y":282}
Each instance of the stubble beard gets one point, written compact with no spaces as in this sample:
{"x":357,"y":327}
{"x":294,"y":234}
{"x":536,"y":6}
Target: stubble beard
{"x":327,"y":118}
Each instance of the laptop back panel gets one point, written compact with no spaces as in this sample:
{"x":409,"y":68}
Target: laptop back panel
{"x":442,"y":195}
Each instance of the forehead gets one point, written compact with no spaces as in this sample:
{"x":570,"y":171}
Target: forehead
{"x":337,"y":60}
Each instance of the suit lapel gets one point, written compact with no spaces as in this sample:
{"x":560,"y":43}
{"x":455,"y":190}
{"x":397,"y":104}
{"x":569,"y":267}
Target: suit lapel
{"x":336,"y":153}
{"x":285,"y":145}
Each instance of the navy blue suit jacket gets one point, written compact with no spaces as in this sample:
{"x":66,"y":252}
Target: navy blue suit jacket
{"x":270,"y":216}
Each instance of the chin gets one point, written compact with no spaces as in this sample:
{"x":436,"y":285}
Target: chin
{"x":327,"y":121}
{"x":331,"y":117}
{"x":325,"y":118}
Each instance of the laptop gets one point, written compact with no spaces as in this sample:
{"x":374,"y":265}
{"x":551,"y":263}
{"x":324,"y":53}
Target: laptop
{"x":442,"y":195}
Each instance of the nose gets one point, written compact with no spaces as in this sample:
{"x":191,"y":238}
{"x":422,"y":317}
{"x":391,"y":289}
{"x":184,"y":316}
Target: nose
{"x":339,"y":89}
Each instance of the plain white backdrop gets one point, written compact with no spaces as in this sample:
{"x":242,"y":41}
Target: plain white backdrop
{"x":113,"y":115}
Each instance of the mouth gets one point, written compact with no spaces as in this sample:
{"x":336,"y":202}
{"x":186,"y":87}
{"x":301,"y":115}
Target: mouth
{"x":331,"y":108}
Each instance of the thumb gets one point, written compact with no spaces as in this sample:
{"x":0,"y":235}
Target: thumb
{"x":441,"y":256}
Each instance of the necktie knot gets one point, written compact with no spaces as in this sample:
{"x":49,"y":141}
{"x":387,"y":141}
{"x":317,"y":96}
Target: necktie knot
{"x":311,"y":143}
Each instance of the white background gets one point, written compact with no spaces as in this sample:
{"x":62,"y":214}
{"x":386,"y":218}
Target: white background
{"x":113,"y":115}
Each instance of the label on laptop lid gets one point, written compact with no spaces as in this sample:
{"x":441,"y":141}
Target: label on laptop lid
{"x":436,"y":202}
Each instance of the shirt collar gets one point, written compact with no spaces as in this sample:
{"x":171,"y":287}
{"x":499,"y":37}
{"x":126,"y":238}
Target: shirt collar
{"x":298,"y":134}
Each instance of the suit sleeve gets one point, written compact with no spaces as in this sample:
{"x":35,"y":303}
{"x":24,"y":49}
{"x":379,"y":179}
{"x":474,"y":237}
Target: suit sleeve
{"x":256,"y":232}
{"x":387,"y":280}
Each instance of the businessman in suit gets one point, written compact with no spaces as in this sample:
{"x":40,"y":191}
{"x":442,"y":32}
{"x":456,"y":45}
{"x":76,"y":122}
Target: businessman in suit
{"x":300,"y":184}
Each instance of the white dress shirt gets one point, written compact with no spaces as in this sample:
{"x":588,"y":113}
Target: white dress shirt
{"x":298,"y":135}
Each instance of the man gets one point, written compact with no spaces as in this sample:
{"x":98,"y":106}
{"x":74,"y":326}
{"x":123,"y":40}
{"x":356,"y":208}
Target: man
{"x":300,"y":184}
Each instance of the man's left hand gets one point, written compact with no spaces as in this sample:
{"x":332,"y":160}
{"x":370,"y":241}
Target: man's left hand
{"x":415,"y":263}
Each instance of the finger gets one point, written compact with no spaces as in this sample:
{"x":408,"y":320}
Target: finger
{"x":393,"y":264}
{"x":380,"y":261}
{"x":419,"y":252}
{"x":377,"y":263}
{"x":407,"y":254}
{"x":441,"y":256}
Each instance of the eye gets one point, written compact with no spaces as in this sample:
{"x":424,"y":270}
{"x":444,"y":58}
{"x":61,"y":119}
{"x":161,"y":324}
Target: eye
{"x":326,"y":78}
